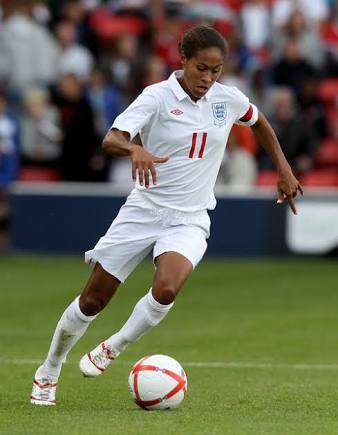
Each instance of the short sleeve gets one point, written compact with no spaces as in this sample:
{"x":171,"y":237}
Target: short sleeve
{"x":247,"y":113}
{"x":137,"y":114}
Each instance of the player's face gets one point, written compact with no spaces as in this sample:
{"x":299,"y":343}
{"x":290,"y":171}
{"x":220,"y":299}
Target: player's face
{"x":201,"y":71}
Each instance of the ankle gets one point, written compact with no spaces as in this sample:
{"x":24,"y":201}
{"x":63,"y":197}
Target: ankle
{"x":50,"y":369}
{"x":117,"y":343}
{"x":45,"y":372}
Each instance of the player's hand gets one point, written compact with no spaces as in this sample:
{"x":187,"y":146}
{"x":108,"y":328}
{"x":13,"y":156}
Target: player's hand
{"x":288,"y":186}
{"x":143,"y":163}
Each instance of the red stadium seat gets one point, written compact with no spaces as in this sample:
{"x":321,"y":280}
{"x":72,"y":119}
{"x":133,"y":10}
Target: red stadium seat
{"x":328,"y":91}
{"x":30,"y":173}
{"x":266,"y":178}
{"x":234,"y":4}
{"x":107,"y":26}
{"x":329,"y":34}
{"x":327,"y":154}
{"x":224,"y":27}
{"x":320,"y":178}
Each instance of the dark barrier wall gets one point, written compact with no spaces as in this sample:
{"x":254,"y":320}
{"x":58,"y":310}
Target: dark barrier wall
{"x":71,"y":218}
{"x":247,"y":227}
{"x":60,"y":223}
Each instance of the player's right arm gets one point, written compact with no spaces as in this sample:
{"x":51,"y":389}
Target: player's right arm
{"x":117,"y":142}
{"x":122,"y":139}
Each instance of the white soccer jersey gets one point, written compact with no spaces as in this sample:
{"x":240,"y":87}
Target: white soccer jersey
{"x":192,"y":134}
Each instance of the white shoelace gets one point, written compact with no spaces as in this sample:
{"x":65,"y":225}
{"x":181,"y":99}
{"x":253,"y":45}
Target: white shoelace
{"x":104,"y":357}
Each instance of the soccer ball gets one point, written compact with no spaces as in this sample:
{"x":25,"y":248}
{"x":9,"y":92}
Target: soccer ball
{"x":157,"y":382}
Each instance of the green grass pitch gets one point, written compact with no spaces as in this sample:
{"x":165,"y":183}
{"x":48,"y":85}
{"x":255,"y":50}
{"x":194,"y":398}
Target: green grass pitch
{"x":258,"y":340}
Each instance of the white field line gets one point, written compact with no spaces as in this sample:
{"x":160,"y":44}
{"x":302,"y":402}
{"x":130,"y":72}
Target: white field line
{"x":203,"y":365}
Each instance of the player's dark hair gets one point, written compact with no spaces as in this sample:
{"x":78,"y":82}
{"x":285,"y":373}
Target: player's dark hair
{"x":201,"y":37}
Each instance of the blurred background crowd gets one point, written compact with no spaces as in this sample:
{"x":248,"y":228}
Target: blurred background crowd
{"x":69,"y":67}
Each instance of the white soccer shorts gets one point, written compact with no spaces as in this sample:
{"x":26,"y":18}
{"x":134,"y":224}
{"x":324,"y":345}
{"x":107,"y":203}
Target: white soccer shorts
{"x":139,"y":228}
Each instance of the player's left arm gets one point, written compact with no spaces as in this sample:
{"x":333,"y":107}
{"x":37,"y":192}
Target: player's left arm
{"x":288,"y":186}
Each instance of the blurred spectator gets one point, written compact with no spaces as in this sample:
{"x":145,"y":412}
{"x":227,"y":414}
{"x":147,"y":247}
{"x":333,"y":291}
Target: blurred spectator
{"x":315,"y":11}
{"x":40,"y":12}
{"x":28,"y":52}
{"x":292,"y":69}
{"x":129,"y":6}
{"x":239,"y":167}
{"x":307,"y":37}
{"x":255,"y":19}
{"x":81,"y":159}
{"x":9,"y":145}
{"x":155,"y":71}
{"x":330,"y":41}
{"x":207,"y":11}
{"x":74,"y":58}
{"x":241,"y":58}
{"x":41,"y":134}
{"x":168,"y":30}
{"x":259,"y":90}
{"x":232,"y":76}
{"x":77,"y":12}
{"x":294,"y":134}
{"x":312,"y":108}
{"x":240,"y":61}
{"x":105,"y":100}
{"x":123,"y":65}
{"x":9,"y":165}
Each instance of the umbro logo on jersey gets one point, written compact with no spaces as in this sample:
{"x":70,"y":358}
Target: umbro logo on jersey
{"x":176,"y":112}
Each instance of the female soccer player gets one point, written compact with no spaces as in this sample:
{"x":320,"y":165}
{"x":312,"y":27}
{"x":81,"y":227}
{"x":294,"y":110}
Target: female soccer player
{"x":183,"y":123}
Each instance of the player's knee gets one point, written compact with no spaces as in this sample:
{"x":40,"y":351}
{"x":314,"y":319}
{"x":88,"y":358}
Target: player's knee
{"x":91,"y":304}
{"x":165,"y":292}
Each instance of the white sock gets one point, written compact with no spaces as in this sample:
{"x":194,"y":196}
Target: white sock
{"x":146,"y":314}
{"x":70,"y":328}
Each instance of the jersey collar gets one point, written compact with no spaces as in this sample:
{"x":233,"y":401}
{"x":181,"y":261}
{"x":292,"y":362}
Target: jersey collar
{"x":179,"y":91}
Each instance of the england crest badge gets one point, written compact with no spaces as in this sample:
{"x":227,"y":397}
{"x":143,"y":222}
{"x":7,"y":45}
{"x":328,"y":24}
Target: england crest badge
{"x":219,"y":112}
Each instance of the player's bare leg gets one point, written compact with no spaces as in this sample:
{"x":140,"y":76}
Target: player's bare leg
{"x":172,"y":270}
{"x":98,"y":291}
{"x":72,"y":325}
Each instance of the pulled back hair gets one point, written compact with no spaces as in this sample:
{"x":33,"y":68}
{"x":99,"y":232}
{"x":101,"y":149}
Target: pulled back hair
{"x":201,"y":37}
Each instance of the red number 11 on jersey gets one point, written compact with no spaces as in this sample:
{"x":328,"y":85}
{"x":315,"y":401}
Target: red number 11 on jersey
{"x":193,"y":145}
